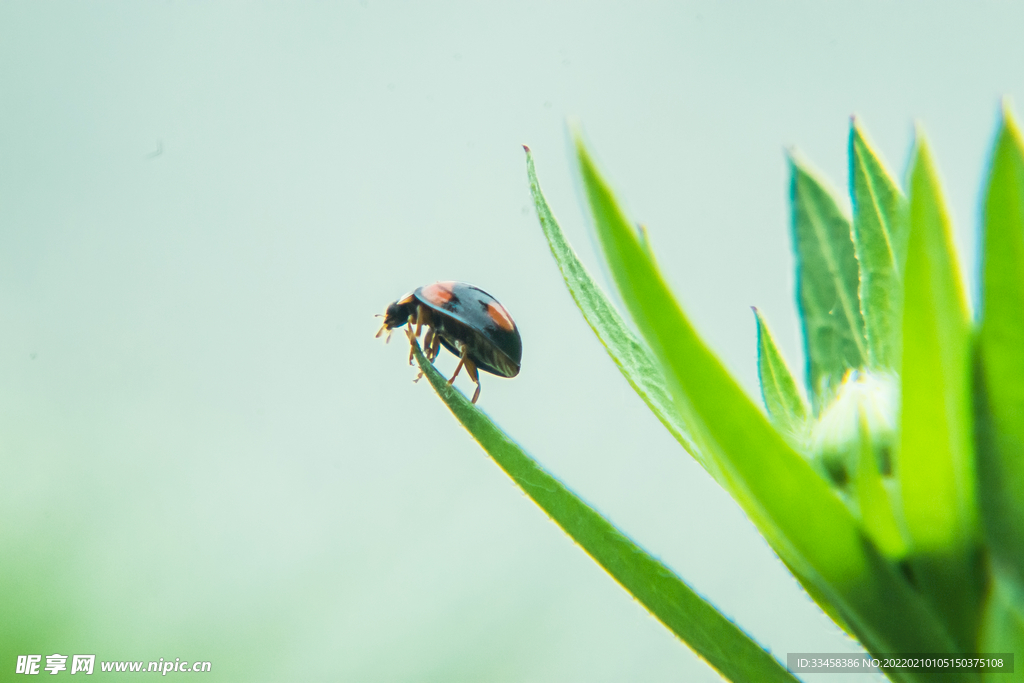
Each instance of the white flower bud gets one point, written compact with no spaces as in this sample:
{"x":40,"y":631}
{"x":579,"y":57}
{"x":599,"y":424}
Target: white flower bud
{"x":867,"y":403}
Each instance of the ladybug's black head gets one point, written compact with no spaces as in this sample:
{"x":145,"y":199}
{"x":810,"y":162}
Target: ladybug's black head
{"x":396,"y":315}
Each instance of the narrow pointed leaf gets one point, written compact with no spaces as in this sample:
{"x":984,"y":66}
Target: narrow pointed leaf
{"x":630,"y":354}
{"x":802,"y":519}
{"x":827,"y":284}
{"x":692,"y":618}
{"x":880,"y":232}
{"x":936,"y":461}
{"x":876,"y":505}
{"x":786,"y":406}
{"x":1001,"y":355}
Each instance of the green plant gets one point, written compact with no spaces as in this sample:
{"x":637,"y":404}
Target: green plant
{"x":895,"y":494}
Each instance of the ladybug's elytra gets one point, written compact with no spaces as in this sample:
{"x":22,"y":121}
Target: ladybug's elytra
{"x":464,"y":319}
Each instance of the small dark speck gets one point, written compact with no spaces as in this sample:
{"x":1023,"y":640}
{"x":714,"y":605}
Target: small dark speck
{"x":159,"y":150}
{"x":32,"y":356}
{"x":908,"y":572}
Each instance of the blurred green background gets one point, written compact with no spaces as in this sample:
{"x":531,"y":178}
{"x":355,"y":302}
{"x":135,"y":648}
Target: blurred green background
{"x":204,"y":452}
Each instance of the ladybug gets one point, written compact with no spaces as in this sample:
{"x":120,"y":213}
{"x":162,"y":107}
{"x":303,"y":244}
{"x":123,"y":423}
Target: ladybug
{"x":464,"y":319}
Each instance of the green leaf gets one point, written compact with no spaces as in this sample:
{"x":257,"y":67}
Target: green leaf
{"x":874,"y":499}
{"x":630,"y":354}
{"x":935,"y":464}
{"x":1002,"y":624}
{"x":692,"y":618}
{"x":1000,"y":354}
{"x":880,"y":232}
{"x":803,"y":520}
{"x":786,"y":405}
{"x":827,"y":282}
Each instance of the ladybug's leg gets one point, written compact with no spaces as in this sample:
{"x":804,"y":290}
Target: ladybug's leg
{"x":383,"y":328}
{"x":421,"y":317}
{"x":462,"y":361}
{"x":427,"y":352}
{"x":412,"y":334}
{"x":471,"y":371}
{"x":428,"y":344}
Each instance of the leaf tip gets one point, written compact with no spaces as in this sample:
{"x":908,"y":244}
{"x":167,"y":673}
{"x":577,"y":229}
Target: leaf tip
{"x":920,"y":136}
{"x":856,"y":129}
{"x":798,"y":163}
{"x":921,"y":158}
{"x":1006,"y":106}
{"x":1009,"y":122}
{"x":758,"y":321}
{"x":856,"y":132}
{"x":795,"y":165}
{"x":575,"y":130}
{"x":526,"y":148}
{"x":587,"y":165}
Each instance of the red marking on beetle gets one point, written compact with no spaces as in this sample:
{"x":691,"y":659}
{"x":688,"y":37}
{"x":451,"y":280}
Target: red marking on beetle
{"x":500,"y":315}
{"x":438,"y":293}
